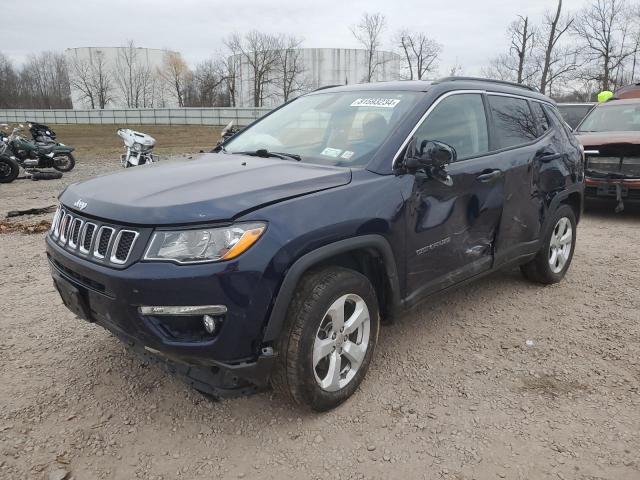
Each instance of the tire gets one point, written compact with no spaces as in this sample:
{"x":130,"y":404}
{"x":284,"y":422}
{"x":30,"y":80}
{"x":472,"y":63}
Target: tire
{"x":9,"y":170}
{"x":547,"y":268}
{"x":70,"y":163}
{"x":45,"y":176}
{"x":309,"y":325}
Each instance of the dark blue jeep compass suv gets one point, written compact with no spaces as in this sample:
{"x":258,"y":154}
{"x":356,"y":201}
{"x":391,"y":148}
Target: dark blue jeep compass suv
{"x":272,"y":260}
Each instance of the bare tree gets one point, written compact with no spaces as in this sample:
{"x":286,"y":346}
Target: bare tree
{"x":259,"y":52}
{"x":601,"y":27}
{"x":522,"y":40}
{"x":517,"y":65}
{"x":9,"y":81}
{"x":44,"y":81}
{"x":176,"y":75}
{"x":289,"y":69}
{"x":92,"y":79}
{"x":420,"y":53}
{"x":369,"y":33}
{"x":207,"y":84}
{"x":556,"y":61}
{"x":133,"y":77}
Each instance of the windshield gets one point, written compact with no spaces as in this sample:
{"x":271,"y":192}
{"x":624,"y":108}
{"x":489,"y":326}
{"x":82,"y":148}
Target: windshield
{"x":342,"y":129}
{"x":612,"y":118}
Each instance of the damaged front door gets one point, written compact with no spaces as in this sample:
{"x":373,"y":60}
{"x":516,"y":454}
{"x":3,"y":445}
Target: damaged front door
{"x":451,"y":226}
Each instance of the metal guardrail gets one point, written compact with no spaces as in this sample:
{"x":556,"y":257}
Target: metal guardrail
{"x":137,"y":116}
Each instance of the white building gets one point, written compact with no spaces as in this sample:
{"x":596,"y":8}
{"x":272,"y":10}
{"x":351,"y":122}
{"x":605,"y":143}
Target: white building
{"x":321,"y":67}
{"x":129,"y":75}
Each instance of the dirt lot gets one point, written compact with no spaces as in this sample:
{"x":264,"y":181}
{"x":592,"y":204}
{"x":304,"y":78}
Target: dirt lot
{"x":454,"y":391}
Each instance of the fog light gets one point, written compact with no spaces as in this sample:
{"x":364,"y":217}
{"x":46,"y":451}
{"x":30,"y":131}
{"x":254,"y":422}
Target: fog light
{"x":210,"y":324}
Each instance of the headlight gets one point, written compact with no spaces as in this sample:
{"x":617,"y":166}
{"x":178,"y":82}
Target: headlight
{"x":206,"y":245}
{"x":137,"y":147}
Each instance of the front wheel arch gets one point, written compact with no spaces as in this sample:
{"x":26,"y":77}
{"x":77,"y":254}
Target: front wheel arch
{"x":326,"y":255}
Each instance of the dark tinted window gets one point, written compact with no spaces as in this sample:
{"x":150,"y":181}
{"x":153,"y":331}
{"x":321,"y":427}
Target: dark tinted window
{"x":573,"y":114}
{"x":459,"y":121}
{"x":513,"y":121}
{"x":541,"y":117}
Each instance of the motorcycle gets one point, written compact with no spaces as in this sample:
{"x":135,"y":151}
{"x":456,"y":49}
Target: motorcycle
{"x":138,"y":148}
{"x":40,"y":155}
{"x":41,"y":133}
{"x":16,"y":151}
{"x":9,"y":167}
{"x":228,"y":132}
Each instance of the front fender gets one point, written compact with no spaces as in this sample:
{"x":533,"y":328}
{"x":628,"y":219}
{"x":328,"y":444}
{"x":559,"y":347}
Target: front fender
{"x":303,"y":264}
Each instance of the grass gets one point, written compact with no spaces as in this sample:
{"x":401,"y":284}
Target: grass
{"x":101,"y":141}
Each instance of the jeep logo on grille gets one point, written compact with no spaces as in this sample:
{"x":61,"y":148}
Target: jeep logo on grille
{"x":80,"y":205}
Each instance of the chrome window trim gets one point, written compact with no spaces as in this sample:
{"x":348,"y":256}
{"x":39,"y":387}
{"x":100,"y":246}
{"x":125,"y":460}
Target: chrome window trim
{"x":84,"y":235}
{"x":96,"y":244}
{"x":116,"y":242}
{"x":72,"y":244}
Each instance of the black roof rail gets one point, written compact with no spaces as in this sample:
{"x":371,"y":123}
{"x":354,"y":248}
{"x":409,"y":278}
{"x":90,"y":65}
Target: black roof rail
{"x":490,"y":80}
{"x":325,"y":87}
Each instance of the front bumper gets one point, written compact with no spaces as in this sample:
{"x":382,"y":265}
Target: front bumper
{"x":627,"y":190}
{"x":112,"y":297}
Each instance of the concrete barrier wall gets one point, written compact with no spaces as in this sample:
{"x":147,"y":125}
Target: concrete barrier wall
{"x":138,"y":116}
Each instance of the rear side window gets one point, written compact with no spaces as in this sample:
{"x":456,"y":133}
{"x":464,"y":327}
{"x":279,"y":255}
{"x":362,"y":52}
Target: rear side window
{"x":513,"y":121}
{"x":458,"y":121}
{"x":541,"y":118}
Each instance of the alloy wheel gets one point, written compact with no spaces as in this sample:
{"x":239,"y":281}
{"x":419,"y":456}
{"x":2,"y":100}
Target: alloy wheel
{"x":341,"y":342}
{"x":560,"y":245}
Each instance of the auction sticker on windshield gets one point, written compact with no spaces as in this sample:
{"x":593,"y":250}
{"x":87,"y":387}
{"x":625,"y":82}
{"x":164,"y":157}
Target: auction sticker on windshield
{"x":331,"y":152}
{"x":375,"y":102}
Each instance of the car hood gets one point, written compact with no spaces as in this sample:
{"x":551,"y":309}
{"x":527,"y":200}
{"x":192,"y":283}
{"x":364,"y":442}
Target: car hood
{"x":215,"y":187}
{"x":591,"y":139}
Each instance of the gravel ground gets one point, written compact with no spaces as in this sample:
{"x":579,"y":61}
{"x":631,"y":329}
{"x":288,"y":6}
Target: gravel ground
{"x":454,"y":391}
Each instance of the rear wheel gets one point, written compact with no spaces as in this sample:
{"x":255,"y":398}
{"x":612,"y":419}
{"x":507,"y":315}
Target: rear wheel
{"x":330,"y":334}
{"x":9,"y":170}
{"x":64,"y":162}
{"x":554,"y":258}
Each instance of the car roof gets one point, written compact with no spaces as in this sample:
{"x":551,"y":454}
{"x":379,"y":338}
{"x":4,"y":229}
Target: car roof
{"x":625,"y":101}
{"x":459,"y":83}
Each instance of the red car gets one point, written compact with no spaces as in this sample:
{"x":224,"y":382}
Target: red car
{"x":610,"y":134}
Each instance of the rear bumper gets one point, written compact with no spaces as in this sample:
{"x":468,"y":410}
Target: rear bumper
{"x":112,"y":298}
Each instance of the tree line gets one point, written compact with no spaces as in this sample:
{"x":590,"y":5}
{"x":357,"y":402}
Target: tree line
{"x":570,"y":55}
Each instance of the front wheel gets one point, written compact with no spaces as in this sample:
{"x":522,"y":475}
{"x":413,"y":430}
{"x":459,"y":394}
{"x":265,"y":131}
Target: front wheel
{"x":552,"y":261}
{"x":330,"y":334}
{"x":9,"y":170}
{"x":64,"y":162}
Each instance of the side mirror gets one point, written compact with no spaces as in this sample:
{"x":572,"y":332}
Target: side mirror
{"x":432,"y":155}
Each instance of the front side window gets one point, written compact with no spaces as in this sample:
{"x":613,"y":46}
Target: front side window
{"x":339,"y":128}
{"x":514,"y":123}
{"x":459,"y":121}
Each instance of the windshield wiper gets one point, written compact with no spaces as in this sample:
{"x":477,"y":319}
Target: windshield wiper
{"x":264,"y":153}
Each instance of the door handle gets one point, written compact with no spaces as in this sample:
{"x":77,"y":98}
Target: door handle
{"x":546,"y":156}
{"x":489,"y":175}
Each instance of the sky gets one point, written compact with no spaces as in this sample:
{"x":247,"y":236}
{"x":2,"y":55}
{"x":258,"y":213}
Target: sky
{"x":471,"y":31}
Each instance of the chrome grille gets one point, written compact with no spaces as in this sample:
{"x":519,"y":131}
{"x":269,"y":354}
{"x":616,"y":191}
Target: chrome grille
{"x":102,"y":245}
{"x":76,"y":228}
{"x":122,"y":246}
{"x":87,"y":237}
{"x":95,"y":241}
